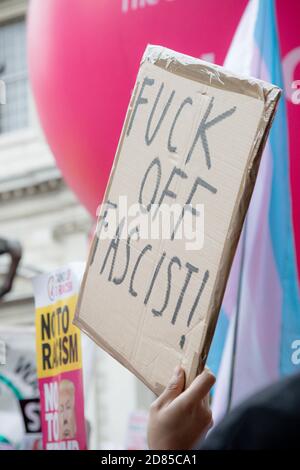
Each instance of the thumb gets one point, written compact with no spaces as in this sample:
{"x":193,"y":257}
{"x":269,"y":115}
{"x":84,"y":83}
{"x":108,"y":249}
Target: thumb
{"x":199,"y":388}
{"x":174,"y":387}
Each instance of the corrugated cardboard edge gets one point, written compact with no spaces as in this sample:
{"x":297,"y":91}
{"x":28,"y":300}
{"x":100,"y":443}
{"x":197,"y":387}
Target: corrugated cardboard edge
{"x":212,"y":75}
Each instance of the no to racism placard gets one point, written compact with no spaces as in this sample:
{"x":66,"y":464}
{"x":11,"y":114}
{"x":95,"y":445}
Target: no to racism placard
{"x":59,"y":360}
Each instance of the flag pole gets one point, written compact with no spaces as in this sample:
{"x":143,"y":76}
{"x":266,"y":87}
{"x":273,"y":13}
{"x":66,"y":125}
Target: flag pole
{"x":236,"y":322}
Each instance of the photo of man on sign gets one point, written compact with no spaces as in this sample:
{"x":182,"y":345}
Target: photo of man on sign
{"x":66,"y":409}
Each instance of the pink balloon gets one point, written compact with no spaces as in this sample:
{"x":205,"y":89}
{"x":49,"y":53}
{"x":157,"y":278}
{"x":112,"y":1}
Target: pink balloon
{"x":84,"y":57}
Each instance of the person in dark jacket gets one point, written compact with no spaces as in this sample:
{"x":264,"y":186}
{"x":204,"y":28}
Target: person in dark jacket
{"x":180,"y":419}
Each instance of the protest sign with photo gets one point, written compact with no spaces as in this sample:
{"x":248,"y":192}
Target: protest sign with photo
{"x":59,"y":359}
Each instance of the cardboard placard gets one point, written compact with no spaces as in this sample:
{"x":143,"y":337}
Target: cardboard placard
{"x":178,"y":193}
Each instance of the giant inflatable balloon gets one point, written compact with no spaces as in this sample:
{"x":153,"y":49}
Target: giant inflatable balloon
{"x":83,"y":58}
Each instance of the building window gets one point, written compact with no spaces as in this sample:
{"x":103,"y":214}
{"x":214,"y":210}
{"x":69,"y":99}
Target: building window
{"x":13,"y":71}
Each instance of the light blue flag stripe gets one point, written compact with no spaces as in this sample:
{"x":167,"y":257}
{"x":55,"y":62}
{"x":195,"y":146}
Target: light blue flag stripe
{"x":280,"y":206}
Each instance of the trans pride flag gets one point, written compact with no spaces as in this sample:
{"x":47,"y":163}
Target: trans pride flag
{"x":258,"y":335}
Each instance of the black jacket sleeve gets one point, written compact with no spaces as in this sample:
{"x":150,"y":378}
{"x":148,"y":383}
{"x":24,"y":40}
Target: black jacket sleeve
{"x":268,"y":420}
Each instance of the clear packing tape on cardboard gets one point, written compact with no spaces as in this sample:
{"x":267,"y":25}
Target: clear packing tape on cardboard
{"x":193,"y":135}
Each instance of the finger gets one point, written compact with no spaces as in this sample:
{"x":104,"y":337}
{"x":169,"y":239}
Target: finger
{"x":174,"y":387}
{"x":205,"y":401}
{"x":199,"y":388}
